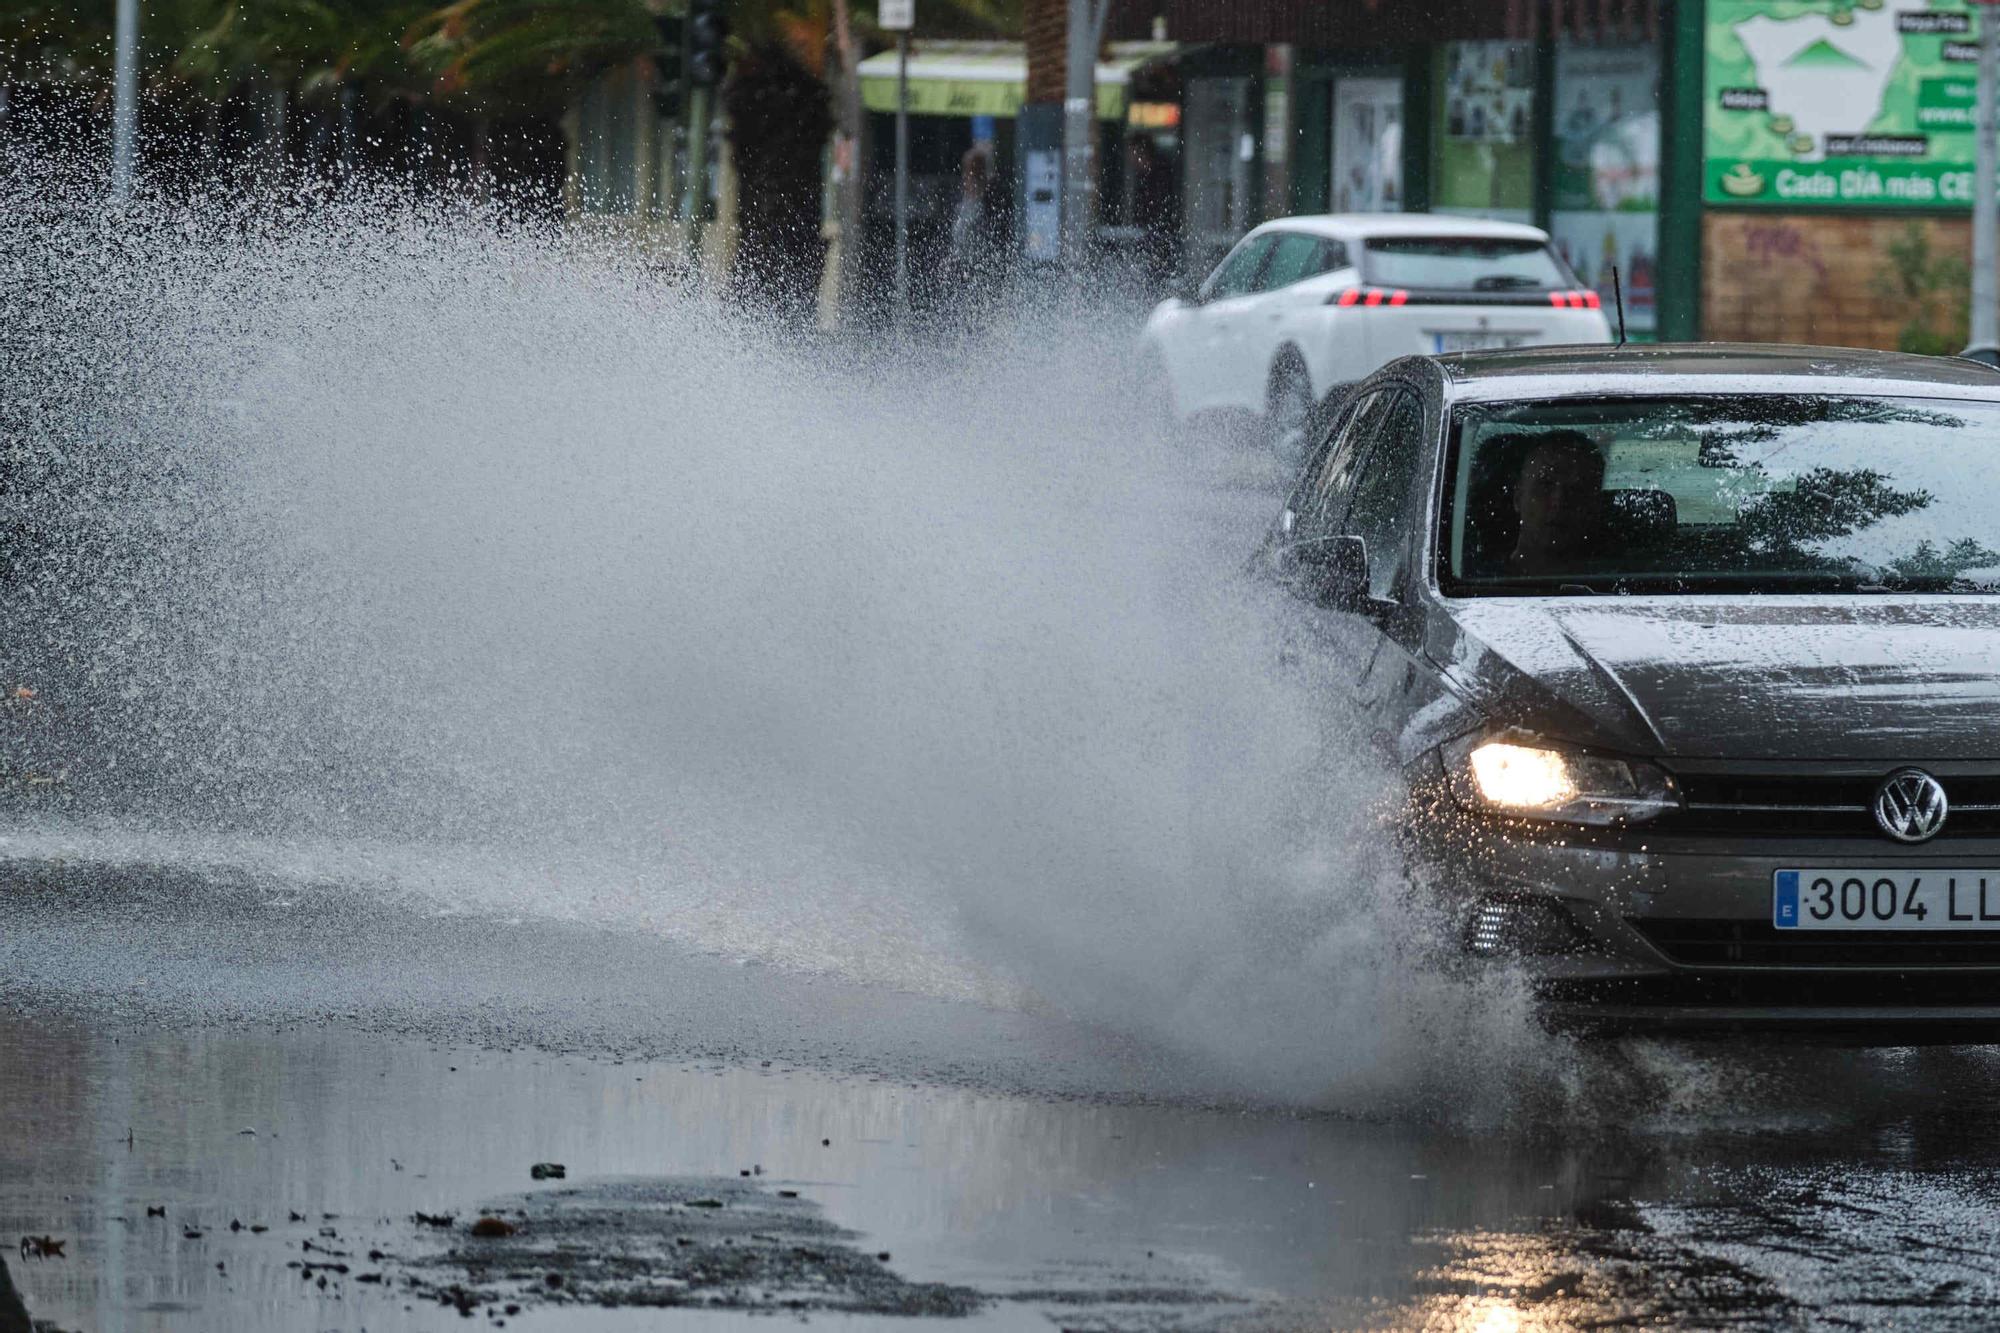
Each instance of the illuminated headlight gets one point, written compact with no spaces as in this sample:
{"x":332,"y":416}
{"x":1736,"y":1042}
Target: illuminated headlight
{"x":1548,"y":782}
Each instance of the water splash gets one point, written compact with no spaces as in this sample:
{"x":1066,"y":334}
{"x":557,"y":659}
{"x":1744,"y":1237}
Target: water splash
{"x":479,"y":561}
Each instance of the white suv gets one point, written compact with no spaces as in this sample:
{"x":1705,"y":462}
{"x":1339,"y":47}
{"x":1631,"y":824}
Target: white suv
{"x":1304,"y":304}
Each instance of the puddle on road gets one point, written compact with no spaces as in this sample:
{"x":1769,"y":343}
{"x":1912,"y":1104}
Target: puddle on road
{"x":1093,"y":1215}
{"x":1113,"y":1215}
{"x":1100,"y":1216}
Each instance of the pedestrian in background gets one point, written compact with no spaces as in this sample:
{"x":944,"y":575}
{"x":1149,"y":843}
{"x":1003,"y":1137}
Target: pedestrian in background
{"x":974,"y":254}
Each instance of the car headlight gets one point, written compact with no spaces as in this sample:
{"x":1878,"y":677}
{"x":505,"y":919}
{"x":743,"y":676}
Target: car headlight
{"x":1514,"y":777}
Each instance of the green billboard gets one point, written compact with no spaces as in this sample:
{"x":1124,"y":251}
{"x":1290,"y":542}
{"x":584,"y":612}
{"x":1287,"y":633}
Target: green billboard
{"x":1862,"y":103}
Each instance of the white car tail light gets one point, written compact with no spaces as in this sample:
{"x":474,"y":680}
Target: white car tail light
{"x":1369,"y":296}
{"x":1366,"y":296}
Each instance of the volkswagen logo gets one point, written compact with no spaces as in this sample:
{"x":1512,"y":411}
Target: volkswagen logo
{"x":1910,"y":805}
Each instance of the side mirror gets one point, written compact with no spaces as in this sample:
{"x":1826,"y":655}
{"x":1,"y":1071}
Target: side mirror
{"x":1334,"y":573}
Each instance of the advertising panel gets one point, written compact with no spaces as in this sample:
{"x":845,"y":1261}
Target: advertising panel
{"x":1607,"y":171}
{"x":1485,"y":129}
{"x":1865,"y":103}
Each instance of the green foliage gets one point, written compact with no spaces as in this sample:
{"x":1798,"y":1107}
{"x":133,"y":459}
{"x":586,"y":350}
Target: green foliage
{"x":1933,"y":287}
{"x":526,"y":49}
{"x":210,"y":48}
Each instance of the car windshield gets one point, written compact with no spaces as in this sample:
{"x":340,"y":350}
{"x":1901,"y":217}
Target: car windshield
{"x":1462,"y":263}
{"x":1752,"y":494}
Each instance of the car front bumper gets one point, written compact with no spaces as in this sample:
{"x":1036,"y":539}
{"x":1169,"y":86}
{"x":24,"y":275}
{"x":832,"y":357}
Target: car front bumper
{"x":1635,"y":900}
{"x":1831,"y":1025}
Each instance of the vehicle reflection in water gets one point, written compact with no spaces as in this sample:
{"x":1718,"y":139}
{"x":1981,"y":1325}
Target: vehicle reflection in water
{"x":1753,"y":1197}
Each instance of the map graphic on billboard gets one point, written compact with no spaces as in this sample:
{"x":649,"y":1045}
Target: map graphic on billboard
{"x":1867,"y":103}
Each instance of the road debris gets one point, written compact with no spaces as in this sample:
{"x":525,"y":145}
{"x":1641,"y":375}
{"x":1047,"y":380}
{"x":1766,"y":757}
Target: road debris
{"x":673,"y":1243}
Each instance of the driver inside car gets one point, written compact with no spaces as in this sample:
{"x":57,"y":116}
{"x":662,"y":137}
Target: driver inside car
{"x":1559,"y":499}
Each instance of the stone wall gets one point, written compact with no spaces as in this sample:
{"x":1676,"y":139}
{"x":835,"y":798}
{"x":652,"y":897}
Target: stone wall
{"x":1822,"y":278}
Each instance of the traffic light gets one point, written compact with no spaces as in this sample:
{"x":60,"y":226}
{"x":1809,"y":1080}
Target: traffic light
{"x":707,"y":33}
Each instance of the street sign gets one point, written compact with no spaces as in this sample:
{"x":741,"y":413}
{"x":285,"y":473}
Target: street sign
{"x":896,"y":15}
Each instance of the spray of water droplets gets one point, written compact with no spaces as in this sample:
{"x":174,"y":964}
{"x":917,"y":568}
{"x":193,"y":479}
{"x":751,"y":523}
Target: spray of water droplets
{"x":411,"y":546}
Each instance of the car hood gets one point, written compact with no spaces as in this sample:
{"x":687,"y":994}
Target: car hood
{"x":1809,"y":678}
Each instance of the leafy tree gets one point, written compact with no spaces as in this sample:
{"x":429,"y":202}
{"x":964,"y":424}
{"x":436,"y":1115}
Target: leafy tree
{"x":1823,"y":504}
{"x":1927,"y":566}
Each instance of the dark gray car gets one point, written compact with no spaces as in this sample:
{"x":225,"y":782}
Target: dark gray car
{"x":1691,"y":658}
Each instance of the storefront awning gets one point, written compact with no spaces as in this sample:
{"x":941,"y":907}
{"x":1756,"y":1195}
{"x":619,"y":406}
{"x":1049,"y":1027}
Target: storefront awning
{"x":989,"y":78}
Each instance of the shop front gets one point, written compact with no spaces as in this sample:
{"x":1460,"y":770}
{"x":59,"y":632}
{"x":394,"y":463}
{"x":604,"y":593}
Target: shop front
{"x":1765,"y":170}
{"x":1553,"y":119}
{"x":977,"y":199}
{"x":1542,"y":111}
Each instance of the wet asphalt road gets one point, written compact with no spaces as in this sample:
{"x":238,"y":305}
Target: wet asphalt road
{"x":291,"y":1069}
{"x":328,"y":1069}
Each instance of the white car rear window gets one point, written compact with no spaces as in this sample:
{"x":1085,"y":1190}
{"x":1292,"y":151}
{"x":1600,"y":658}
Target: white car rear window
{"x":1463,"y":264}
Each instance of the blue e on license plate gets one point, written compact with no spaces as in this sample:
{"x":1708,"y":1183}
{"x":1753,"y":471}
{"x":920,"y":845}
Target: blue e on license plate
{"x":1853,"y":899}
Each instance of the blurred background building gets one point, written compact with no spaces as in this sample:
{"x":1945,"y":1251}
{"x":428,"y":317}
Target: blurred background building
{"x":1751,"y":170}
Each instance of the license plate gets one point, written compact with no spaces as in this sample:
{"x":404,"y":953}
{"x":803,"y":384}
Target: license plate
{"x":1475,"y":342}
{"x":1850,"y":899}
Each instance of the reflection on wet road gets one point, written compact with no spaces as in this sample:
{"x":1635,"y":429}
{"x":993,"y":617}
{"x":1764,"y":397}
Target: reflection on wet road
{"x":1078,"y":1179}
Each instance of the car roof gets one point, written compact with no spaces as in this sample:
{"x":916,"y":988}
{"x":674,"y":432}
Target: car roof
{"x":1648,"y":370}
{"x":1360,"y":226}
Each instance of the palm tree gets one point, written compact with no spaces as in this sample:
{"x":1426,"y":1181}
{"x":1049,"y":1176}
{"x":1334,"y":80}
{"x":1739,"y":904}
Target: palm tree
{"x":778,"y":101}
{"x":796,"y":74}
{"x":529,"y":51}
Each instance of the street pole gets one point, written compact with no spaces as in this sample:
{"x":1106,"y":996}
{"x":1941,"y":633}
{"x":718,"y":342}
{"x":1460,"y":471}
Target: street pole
{"x":1086,"y":35}
{"x":902,"y":176}
{"x":694,"y":198}
{"x":124,"y":99}
{"x":1985,"y":314}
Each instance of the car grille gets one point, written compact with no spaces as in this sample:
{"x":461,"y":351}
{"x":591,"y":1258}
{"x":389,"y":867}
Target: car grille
{"x":1821,"y":805}
{"x":1707,"y":942}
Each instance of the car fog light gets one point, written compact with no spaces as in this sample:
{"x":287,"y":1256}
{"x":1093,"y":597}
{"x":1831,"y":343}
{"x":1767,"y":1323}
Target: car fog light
{"x":1523,"y":926}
